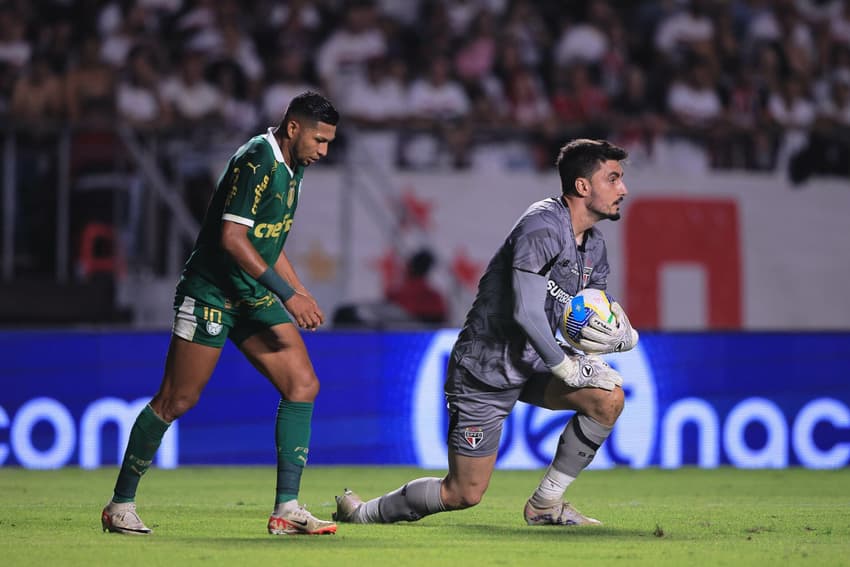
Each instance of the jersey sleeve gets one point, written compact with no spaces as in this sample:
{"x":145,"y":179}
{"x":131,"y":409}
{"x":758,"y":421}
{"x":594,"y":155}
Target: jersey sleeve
{"x":246,"y":181}
{"x":537,"y":241}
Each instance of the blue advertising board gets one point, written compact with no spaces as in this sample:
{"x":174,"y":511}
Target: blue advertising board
{"x":763,"y":400}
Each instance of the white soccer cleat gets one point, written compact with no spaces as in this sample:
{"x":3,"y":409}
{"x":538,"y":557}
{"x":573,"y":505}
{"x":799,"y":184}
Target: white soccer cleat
{"x":562,"y":514}
{"x":123,"y":519}
{"x":347,"y":506}
{"x":299,"y":521}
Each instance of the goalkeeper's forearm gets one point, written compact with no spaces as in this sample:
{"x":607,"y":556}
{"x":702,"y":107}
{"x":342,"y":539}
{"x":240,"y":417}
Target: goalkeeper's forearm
{"x":529,"y":313}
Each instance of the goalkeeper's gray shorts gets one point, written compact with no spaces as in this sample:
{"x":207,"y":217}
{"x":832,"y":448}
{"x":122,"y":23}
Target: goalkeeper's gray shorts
{"x":478,"y":410}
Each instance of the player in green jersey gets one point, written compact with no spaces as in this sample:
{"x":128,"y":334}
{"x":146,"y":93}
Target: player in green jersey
{"x":238,"y":283}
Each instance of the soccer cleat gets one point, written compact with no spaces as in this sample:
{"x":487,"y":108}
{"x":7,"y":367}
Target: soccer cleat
{"x":561,"y":514}
{"x":347,"y":506}
{"x":299,"y":522}
{"x":122,"y":519}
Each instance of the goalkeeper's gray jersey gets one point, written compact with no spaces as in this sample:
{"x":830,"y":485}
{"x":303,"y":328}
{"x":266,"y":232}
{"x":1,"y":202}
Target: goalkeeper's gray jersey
{"x":492,"y":345}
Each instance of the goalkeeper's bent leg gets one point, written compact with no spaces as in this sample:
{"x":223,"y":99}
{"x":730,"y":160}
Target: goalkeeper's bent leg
{"x":577,"y":446}
{"x":413,"y":501}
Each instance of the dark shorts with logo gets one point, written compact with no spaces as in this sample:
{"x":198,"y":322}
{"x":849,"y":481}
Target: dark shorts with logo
{"x":478,"y":410}
{"x":210,"y":325}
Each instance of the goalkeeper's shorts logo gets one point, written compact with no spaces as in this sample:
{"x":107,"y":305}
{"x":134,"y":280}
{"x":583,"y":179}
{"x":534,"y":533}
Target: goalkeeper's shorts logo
{"x":473,"y":436}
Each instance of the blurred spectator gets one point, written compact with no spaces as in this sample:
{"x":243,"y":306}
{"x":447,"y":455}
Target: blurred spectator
{"x":529,"y":32}
{"x":38,"y":95}
{"x":476,"y":56}
{"x":637,"y":123}
{"x":528,"y":104}
{"x":134,"y":27}
{"x":381,"y":99}
{"x":238,"y":109}
{"x":580,"y":104}
{"x":584,"y":41}
{"x":342,"y":57}
{"x":191,"y":96}
{"x":828,"y":148}
{"x":748,"y":144}
{"x":439,"y":106}
{"x":415,"y":293}
{"x":685,"y":32}
{"x":15,"y":50}
{"x":138,"y":98}
{"x":695,"y":114}
{"x":378,"y":105}
{"x":460,"y":14}
{"x":237,"y":47}
{"x":406,"y":12}
{"x":839,"y":24}
{"x":793,"y":113}
{"x":782,"y":26}
{"x":197,"y":24}
{"x":90,"y":87}
{"x":286,"y":80}
{"x":437,"y":96}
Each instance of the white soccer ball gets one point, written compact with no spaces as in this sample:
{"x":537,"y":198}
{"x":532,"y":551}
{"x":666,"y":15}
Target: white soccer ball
{"x":582,"y":307}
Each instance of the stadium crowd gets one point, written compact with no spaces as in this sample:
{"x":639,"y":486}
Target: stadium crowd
{"x":753,"y":84}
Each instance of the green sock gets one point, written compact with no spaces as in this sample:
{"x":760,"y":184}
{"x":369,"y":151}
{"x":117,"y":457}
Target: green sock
{"x":292,"y":438}
{"x":145,"y":438}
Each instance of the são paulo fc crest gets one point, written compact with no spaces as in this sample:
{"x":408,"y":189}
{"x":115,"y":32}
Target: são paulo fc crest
{"x":473,"y":436}
{"x":213,"y":328}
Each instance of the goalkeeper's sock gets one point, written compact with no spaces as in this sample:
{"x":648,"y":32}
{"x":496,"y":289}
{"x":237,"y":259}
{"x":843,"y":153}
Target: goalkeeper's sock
{"x":292,"y":439}
{"x":577,"y":446}
{"x":145,"y":438}
{"x":416,"y":499}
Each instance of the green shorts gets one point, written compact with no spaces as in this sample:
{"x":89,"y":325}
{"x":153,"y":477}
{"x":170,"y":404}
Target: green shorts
{"x":208,"y":325}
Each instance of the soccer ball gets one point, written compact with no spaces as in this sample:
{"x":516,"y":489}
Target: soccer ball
{"x":584,"y":305}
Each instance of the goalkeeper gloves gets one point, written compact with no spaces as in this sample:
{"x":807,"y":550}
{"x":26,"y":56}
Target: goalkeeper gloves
{"x":600,"y":337}
{"x":586,"y":372}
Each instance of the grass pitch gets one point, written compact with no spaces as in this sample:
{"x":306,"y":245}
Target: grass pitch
{"x":217,"y":516}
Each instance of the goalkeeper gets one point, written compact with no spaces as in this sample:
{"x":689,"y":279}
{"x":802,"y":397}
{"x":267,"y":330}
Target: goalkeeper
{"x":235,"y":285}
{"x":507,"y":351}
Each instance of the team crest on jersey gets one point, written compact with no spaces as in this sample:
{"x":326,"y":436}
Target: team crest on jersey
{"x":213,"y":329}
{"x":585,"y":273}
{"x":473,"y":436}
{"x":290,"y":197}
{"x":585,"y":276}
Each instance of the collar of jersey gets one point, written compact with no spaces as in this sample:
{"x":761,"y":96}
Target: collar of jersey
{"x":278,"y":155}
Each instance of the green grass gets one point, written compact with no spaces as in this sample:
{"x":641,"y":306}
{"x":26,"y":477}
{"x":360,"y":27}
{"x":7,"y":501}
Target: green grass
{"x":217,"y":516}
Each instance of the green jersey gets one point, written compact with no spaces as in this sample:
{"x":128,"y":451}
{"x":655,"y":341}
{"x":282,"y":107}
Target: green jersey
{"x":258,"y":190}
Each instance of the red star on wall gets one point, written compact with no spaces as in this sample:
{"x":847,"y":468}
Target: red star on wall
{"x":414,"y":210}
{"x":389,"y":267}
{"x":465,"y":270}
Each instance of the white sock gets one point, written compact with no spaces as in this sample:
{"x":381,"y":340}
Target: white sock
{"x":282,"y":508}
{"x":577,"y":446}
{"x":551,"y":489}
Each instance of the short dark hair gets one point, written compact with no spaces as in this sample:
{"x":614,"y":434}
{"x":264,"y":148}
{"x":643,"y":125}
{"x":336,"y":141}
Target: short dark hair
{"x":582,"y":157}
{"x":312,"y":106}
